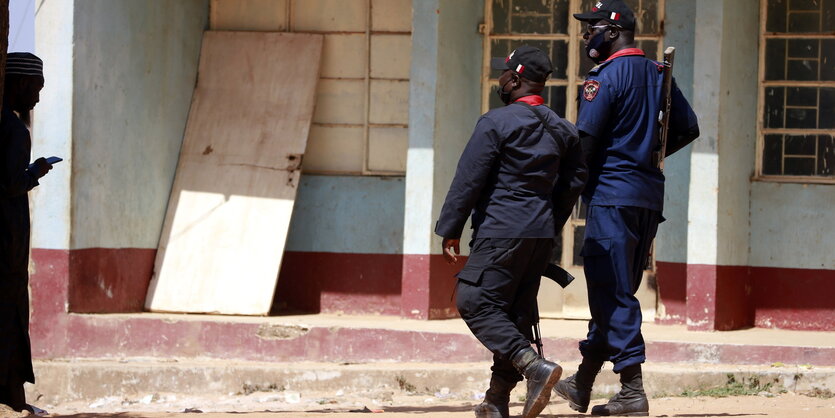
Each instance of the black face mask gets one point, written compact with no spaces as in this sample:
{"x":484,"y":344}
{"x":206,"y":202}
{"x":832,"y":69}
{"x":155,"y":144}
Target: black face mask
{"x":504,"y":96}
{"x":598,"y":47}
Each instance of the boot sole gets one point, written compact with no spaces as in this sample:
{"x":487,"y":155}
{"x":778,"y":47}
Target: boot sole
{"x":545,"y":395}
{"x":627,"y":414}
{"x":571,"y":404}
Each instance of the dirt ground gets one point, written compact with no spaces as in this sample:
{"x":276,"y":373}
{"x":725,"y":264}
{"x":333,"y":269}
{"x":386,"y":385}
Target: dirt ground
{"x":263,"y":405}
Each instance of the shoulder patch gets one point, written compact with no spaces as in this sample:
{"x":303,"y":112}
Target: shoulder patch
{"x":590,"y":89}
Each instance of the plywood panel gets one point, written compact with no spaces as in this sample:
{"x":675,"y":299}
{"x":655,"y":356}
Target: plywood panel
{"x":330,"y":15}
{"x":391,"y":15}
{"x":387,"y":148}
{"x":233,"y":194}
{"x":391,"y":56}
{"x":335,"y":148}
{"x":262,"y":15}
{"x":389,"y":102}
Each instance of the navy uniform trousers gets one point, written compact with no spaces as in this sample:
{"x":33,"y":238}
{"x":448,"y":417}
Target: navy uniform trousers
{"x":615,"y":249}
{"x":496,"y":295}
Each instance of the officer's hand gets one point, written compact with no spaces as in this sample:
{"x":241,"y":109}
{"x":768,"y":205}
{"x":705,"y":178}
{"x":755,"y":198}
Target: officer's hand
{"x":40,"y":167}
{"x":451,"y":249}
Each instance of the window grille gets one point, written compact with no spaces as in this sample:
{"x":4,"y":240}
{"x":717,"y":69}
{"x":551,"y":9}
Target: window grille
{"x":796,"y":129}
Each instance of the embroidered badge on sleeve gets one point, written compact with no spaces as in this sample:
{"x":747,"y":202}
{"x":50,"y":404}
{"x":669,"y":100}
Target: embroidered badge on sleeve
{"x":590,"y":89}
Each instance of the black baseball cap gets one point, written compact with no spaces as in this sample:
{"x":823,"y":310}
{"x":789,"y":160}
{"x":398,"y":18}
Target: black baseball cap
{"x":529,"y":62}
{"x":615,"y":12}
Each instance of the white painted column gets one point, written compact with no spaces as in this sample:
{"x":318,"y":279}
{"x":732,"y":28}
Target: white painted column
{"x":725,"y":76}
{"x":444,"y":103}
{"x":52,"y":125}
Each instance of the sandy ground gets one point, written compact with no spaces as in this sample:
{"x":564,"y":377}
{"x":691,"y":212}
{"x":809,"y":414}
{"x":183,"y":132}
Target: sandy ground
{"x":277,"y":405}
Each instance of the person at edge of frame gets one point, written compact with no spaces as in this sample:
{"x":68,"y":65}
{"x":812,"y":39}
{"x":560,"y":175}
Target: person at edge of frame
{"x":23,"y":83}
{"x":618,"y":117}
{"x":519,"y":175}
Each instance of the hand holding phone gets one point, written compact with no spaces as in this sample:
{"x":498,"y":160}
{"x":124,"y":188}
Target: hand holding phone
{"x":41,"y":166}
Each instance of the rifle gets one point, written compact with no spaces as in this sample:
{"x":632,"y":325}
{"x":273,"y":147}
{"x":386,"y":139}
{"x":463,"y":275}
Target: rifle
{"x":663,"y":120}
{"x":562,"y":278}
{"x":666,"y":103}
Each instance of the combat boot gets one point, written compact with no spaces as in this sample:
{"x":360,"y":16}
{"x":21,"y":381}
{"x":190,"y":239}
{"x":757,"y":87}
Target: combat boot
{"x":540,"y":376}
{"x":631,"y":401}
{"x":577,"y":388}
{"x":497,"y":399}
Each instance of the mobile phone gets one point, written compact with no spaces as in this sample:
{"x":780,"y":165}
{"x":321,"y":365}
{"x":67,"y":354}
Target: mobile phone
{"x":50,"y":160}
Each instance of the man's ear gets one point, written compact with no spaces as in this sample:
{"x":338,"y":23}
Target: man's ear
{"x":614,"y":33}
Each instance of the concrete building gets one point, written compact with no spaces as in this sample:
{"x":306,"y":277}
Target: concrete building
{"x":749,"y":239}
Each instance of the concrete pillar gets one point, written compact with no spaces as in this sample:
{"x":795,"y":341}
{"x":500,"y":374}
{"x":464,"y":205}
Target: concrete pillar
{"x":725,"y":71}
{"x":444,"y":103}
{"x":51,"y":201}
{"x":671,"y":241}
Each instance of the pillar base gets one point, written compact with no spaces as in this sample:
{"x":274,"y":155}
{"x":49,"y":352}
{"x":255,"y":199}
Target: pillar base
{"x":718,"y":298}
{"x":428,"y":287}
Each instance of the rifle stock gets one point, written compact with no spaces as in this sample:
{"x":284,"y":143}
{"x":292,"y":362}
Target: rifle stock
{"x":666,"y":103}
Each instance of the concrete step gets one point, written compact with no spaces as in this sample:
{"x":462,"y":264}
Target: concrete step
{"x":371,"y":339}
{"x":131,"y":380}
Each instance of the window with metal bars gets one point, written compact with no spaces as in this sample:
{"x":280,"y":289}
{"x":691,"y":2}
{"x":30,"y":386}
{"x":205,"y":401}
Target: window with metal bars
{"x":550,"y":26}
{"x":796,"y":140}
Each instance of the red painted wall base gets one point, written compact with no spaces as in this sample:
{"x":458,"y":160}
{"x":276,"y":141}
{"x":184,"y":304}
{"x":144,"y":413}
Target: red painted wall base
{"x":99,"y":280}
{"x":672,"y":292}
{"x":428,"y":286}
{"x":339,"y":283}
{"x":739,"y":297}
{"x":108,"y":280}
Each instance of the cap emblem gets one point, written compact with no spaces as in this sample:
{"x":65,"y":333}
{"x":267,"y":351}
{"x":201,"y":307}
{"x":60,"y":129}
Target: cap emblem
{"x":520,"y":68}
{"x":614,"y":16}
{"x":510,"y":56}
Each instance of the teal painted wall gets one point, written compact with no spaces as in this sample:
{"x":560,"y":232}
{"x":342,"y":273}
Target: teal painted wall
{"x":671,"y":244}
{"x":348,"y":214}
{"x":135,"y":67}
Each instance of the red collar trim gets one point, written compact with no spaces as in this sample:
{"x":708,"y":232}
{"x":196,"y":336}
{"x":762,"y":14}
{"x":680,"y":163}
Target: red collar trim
{"x":533,"y":100}
{"x":627,"y":52}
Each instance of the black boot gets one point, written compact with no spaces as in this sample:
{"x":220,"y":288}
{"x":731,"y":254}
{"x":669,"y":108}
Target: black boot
{"x":577,"y":388}
{"x":496,"y":400}
{"x":540,"y":376}
{"x":631,"y":401}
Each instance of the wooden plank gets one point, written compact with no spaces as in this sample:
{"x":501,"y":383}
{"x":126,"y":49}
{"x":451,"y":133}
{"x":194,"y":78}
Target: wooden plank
{"x":226,"y":226}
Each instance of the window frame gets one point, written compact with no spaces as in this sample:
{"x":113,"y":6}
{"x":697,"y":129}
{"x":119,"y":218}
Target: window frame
{"x":762,"y":131}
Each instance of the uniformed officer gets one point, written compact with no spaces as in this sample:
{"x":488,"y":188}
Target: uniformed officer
{"x":618,"y":116}
{"x":519,"y":175}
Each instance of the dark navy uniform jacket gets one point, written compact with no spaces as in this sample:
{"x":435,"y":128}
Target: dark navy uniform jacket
{"x":516,"y":179}
{"x":619,"y":106}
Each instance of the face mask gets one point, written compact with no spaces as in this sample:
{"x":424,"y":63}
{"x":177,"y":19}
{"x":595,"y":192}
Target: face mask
{"x":504,"y":96}
{"x":598,"y":47}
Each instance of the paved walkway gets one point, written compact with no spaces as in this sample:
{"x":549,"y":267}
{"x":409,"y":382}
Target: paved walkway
{"x":557,"y":328}
{"x":787,"y":405}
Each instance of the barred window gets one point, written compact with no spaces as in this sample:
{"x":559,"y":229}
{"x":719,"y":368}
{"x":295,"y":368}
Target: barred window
{"x":797,"y":91}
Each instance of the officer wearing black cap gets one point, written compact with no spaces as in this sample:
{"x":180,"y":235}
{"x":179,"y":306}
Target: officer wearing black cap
{"x":519,"y":176}
{"x":617,"y":121}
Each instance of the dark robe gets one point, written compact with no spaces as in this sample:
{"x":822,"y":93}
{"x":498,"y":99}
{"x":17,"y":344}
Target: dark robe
{"x":15,"y":183}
